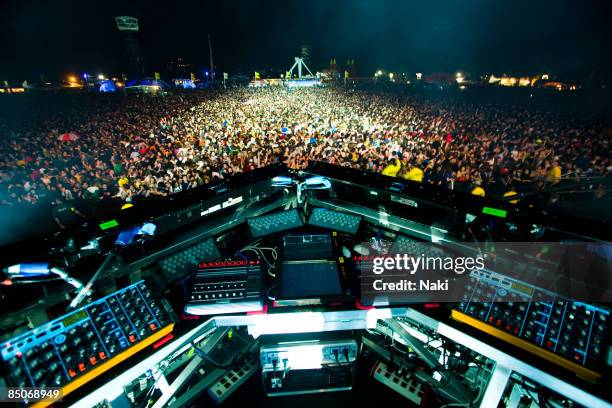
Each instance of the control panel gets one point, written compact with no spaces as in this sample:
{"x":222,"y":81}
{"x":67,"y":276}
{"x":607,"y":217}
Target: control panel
{"x":225,"y":287}
{"x":301,"y":367}
{"x":571,"y":334}
{"x":75,"y":348}
{"x":308,"y":354}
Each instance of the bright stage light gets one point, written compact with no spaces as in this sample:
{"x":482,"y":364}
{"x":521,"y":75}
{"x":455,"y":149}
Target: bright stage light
{"x":419,"y":75}
{"x":72,"y":78}
{"x":100,"y":76}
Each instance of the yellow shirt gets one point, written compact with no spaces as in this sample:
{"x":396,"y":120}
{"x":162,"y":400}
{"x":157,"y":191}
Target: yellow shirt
{"x":554,"y":175}
{"x":479,"y":191}
{"x":511,"y":193}
{"x":122,"y":181}
{"x":392,"y":169}
{"x":415,"y":174}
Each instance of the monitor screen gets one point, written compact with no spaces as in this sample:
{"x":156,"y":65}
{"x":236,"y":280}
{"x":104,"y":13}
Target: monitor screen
{"x":310,"y":279}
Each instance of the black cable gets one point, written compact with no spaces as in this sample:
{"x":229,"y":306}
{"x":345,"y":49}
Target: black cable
{"x":201,"y":353}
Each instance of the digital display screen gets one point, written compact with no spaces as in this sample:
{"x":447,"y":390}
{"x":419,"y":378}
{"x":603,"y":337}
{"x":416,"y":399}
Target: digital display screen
{"x":108,"y":224}
{"x":528,"y":290}
{"x":73,"y":318}
{"x":310,"y":279}
{"x":496,"y":212}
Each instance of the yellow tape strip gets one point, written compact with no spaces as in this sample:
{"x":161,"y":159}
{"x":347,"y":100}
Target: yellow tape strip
{"x":107,"y":365}
{"x":527,"y":346}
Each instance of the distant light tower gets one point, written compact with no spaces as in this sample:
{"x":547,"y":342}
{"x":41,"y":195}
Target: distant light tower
{"x":128,"y":26}
{"x":306,"y":53}
{"x":212,"y":67}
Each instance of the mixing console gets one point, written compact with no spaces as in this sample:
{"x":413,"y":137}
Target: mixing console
{"x":568,"y":333}
{"x":77,"y":347}
{"x":226,"y":287}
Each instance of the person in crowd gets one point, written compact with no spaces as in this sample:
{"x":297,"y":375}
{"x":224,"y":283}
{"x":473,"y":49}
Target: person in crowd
{"x":130,"y":146}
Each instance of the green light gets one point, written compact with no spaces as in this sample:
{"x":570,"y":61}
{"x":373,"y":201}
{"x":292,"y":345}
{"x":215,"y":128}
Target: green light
{"x":496,"y":212}
{"x":108,"y":224}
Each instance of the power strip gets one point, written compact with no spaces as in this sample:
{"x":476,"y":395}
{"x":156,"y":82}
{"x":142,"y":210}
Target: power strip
{"x":232,"y":380}
{"x":409,"y":386}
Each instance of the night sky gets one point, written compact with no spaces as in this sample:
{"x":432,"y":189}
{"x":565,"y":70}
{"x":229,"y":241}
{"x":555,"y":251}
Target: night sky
{"x":58,"y":37}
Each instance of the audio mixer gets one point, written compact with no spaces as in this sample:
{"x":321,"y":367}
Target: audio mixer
{"x":77,"y":347}
{"x":568,"y":333}
{"x":226,"y":287}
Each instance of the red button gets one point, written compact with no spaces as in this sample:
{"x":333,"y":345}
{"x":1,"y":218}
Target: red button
{"x":71,"y":372}
{"x":153,"y":326}
{"x":499,"y":322}
{"x":491,"y":318}
{"x":508,"y":327}
{"x":132,"y":338}
{"x":549,"y":344}
{"x":516,"y":330}
{"x":93,"y":360}
{"x":102,"y":355}
{"x":82,"y":366}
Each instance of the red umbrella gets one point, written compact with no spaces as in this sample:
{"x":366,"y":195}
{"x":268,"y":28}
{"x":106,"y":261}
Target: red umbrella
{"x":68,"y":137}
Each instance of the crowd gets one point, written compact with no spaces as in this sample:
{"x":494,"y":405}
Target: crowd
{"x":135,"y":145}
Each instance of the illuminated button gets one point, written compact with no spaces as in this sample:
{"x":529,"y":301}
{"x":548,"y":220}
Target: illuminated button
{"x":132,"y":338}
{"x":93,"y":360}
{"x":81,"y":366}
{"x":71,"y":372}
{"x":153,"y":326}
{"x":102,"y":355}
